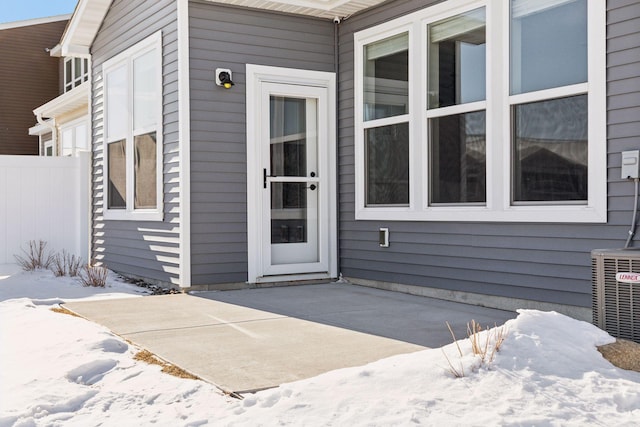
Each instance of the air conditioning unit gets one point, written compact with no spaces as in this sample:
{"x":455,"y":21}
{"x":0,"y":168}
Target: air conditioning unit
{"x":616,"y":291}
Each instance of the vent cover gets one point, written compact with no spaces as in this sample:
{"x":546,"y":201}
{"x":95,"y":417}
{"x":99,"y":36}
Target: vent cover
{"x":616,"y":305}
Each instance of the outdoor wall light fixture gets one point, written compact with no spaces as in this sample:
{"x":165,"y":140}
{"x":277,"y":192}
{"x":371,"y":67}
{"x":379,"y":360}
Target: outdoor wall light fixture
{"x":223,"y":78}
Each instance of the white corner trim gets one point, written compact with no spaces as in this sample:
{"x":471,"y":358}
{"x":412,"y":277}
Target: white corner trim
{"x":184,"y":132}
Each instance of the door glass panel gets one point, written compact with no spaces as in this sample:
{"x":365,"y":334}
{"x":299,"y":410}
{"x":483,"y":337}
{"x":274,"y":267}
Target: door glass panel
{"x":288,"y":212}
{"x":293,"y":203}
{"x":291,"y":144}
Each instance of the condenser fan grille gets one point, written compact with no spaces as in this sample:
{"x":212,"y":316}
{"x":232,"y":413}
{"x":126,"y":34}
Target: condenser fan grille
{"x":616,"y":305}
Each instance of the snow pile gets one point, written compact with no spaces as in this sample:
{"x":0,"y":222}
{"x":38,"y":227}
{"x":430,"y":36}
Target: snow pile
{"x":57,"y":369}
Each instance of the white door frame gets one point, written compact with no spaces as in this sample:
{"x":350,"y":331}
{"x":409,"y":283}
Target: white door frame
{"x":256,"y":75}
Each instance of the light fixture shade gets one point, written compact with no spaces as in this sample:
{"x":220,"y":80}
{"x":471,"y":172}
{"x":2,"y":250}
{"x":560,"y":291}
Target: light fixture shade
{"x":224,"y":78}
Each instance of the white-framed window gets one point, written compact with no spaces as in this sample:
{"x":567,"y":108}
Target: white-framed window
{"x":48,"y":148}
{"x":133,"y":132}
{"x":483,"y":111}
{"x":74,"y":137}
{"x":76,"y":72}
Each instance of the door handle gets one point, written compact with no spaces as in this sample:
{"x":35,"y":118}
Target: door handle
{"x":312,"y":187}
{"x":264,"y":177}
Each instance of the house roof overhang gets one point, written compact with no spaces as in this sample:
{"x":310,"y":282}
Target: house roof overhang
{"x":83,"y":27}
{"x":88,"y":15}
{"x":70,"y":101}
{"x":39,"y":129}
{"x":319,"y":8}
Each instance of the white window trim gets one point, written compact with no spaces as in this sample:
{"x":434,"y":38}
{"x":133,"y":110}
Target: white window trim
{"x":498,"y":207}
{"x":75,"y":79}
{"x":84,"y":120}
{"x":126,"y":58}
{"x":46,"y":144}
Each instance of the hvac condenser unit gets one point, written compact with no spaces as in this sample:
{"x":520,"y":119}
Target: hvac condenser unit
{"x":616,"y":291}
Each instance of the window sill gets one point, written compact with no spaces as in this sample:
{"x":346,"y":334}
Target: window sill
{"x":531,"y":214}
{"x":142,"y":215}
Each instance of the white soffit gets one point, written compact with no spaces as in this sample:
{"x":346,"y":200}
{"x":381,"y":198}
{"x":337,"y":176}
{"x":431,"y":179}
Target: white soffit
{"x":83,"y":27}
{"x":75,"y":99}
{"x":318,"y":8}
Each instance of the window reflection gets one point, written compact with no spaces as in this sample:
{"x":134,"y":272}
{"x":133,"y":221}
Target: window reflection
{"x":387,"y":156}
{"x":551,"y":150}
{"x":386,"y":77}
{"x":457,"y":52}
{"x":458,"y":158}
{"x":548,"y":44}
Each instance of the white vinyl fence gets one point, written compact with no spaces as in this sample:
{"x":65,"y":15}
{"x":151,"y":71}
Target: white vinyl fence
{"x":44,"y":198}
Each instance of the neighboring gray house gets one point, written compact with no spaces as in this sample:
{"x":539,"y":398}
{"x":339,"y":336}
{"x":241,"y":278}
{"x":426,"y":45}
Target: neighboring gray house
{"x":464,"y":149}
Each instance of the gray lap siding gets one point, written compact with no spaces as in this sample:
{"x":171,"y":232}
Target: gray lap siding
{"x":148,"y":249}
{"x":541,"y":262}
{"x":230,"y":37}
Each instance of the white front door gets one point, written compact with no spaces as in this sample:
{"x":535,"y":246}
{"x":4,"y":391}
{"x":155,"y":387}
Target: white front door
{"x":291,"y":170}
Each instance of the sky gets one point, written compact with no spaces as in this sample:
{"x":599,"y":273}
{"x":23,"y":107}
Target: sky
{"x":20,"y":10}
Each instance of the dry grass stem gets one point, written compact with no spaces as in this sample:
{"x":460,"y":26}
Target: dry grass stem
{"x":36,"y":257}
{"x":454,"y":338}
{"x":148,"y":357}
{"x":485,"y":347}
{"x":491,"y":344}
{"x":452,"y":369}
{"x":63,"y":310}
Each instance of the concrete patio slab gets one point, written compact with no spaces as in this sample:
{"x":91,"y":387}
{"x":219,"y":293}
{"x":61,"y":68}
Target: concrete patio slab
{"x":254,"y":339}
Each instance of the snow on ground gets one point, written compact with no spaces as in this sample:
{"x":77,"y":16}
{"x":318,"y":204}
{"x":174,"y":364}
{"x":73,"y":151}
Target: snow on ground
{"x":57,"y":369}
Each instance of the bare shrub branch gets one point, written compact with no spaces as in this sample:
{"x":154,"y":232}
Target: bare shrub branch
{"x":94,"y":276}
{"x":66,"y":264}
{"x":36,"y":257}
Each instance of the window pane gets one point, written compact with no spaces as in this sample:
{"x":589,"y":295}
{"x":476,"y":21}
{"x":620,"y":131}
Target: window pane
{"x":117,"y":111}
{"x":86,"y":70}
{"x":145,"y":171}
{"x":77,"y":68}
{"x":81,"y":138}
{"x":67,"y":142}
{"x":386,"y":77}
{"x":458,"y":158}
{"x":457,"y":59}
{"x":144,"y":91}
{"x":117,"y":191}
{"x":548,"y":44}
{"x":68,"y":76}
{"x":387,"y":167}
{"x":550,"y":150}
